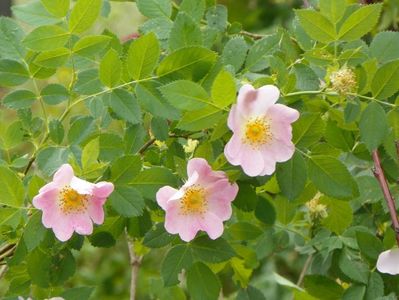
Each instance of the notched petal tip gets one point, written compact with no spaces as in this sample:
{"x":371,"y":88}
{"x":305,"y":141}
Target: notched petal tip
{"x":63,"y":175}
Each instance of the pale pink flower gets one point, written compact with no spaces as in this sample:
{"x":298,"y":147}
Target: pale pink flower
{"x":388,"y":262}
{"x":262,"y":131}
{"x":72,"y":204}
{"x":202,"y":203}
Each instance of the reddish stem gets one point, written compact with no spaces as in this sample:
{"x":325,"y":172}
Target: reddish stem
{"x":379,"y":174}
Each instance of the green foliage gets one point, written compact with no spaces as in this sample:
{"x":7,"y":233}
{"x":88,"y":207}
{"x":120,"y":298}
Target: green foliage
{"x":133,"y":110}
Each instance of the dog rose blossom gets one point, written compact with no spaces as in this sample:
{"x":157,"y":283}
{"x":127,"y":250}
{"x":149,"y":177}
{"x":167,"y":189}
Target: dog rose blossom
{"x":202,"y":203}
{"x":262,"y":131}
{"x":388,"y":262}
{"x":72,"y":204}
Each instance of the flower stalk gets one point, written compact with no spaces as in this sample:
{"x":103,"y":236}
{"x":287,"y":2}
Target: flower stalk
{"x":135,"y":262}
{"x":380,"y":176}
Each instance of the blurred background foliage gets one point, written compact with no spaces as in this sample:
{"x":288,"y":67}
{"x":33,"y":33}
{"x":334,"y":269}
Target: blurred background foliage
{"x":108,"y":269}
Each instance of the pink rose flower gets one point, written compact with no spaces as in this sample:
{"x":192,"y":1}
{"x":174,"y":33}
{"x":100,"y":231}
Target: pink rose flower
{"x":202,"y":203}
{"x":72,"y":204}
{"x":388,"y":262}
{"x":262,"y":131}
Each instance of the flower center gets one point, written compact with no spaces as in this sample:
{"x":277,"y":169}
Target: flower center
{"x":71,"y":201}
{"x":194,"y":200}
{"x":257,"y":132}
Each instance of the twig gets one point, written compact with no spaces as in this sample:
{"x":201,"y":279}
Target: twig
{"x":255,"y":36}
{"x":380,"y":176}
{"x":3,"y":271}
{"x":304,"y":270}
{"x":135,"y":265}
{"x":147,"y":145}
{"x":7,"y":252}
{"x":306,"y":4}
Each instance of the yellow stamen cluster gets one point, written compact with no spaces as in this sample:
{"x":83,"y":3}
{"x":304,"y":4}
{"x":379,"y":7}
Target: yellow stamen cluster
{"x":194,"y":201}
{"x":317,"y":210}
{"x":257,"y":132}
{"x":190,"y":146}
{"x":71,"y":201}
{"x":343,"y":81}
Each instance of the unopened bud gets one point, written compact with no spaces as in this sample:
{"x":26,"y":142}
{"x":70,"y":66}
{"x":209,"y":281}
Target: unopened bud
{"x":343,"y":81}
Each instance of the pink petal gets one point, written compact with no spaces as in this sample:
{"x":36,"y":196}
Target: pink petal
{"x":283,"y":113}
{"x":47,"y":187}
{"x":281,"y":131}
{"x":83,"y":187}
{"x":96,"y":210}
{"x":186,"y":226}
{"x":198,"y":165}
{"x":51,"y":217}
{"x":82,"y":223}
{"x":252,"y":161}
{"x":212,"y":225}
{"x":63,"y":229}
{"x":252,"y":102}
{"x":46,"y":199}
{"x":164,"y":194}
{"x":64,"y":175}
{"x":269,"y":166}
{"x":192,"y":179}
{"x":278,"y":151}
{"x":235,"y":119}
{"x":103,"y":189}
{"x":222,"y":193}
{"x":388,"y":262}
{"x":232,"y":150}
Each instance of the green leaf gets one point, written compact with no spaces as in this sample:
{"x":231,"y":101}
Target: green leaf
{"x":158,"y":237}
{"x":125,"y":168}
{"x":77,"y":293}
{"x":333,"y":9}
{"x":360,"y":22}
{"x":151,"y":100}
{"x":14,"y":135}
{"x":127,"y":201}
{"x":308,"y":130}
{"x":58,"y":8}
{"x":317,"y":26}
{"x":190,"y":63}
{"x":48,"y":37}
{"x":80,"y":129}
{"x":202,"y":283}
{"x":323,"y":287}
{"x":155,"y":8}
{"x":12,"y":73}
{"x":244,"y":231}
{"x":250,"y":293}
{"x":292,"y":176}
{"x":375,"y":287}
{"x":161,"y":26}
{"x":90,"y":45}
{"x":385,"y":82}
{"x":369,"y":245}
{"x":216,"y":17}
{"x":246,"y":198}
{"x":11,"y":188}
{"x":354,"y":269}
{"x":90,"y":154}
{"x":194,"y":8}
{"x":54,"y":94}
{"x":150,"y":180}
{"x":110,"y":69}
{"x":224,"y":89}
{"x":178,"y":258}
{"x":34,"y":13}
{"x":235,"y":52}
{"x":385,"y":46}
{"x":51,"y":158}
{"x":39,"y":264}
{"x":331,"y":177}
{"x":212,"y":251}
{"x":185,"y":95}
{"x":34,"y":232}
{"x":373,"y":126}
{"x":53,"y":58}
{"x":259,"y":50}
{"x":143,"y":56}
{"x":125,"y":105}
{"x":83,"y":15}
{"x":56,"y":131}
{"x":340,"y":214}
{"x":354,"y":292}
{"x":185,"y":32}
{"x":19,"y":99}
{"x":200,"y":119}
{"x":88,"y":83}
{"x":11,"y":36}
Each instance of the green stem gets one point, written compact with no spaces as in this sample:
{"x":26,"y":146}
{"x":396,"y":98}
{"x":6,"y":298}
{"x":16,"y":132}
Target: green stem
{"x":372,"y":99}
